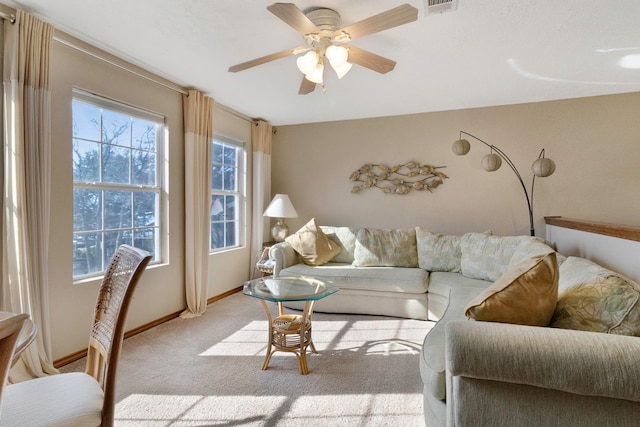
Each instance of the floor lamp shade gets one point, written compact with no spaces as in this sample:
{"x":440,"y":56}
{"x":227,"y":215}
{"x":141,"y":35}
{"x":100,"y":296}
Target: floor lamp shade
{"x":280,"y":208}
{"x":541,"y":167}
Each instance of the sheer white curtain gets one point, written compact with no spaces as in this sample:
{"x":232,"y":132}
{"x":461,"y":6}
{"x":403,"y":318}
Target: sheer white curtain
{"x":27,"y":173}
{"x":261,"y":135}
{"x":198,"y":126}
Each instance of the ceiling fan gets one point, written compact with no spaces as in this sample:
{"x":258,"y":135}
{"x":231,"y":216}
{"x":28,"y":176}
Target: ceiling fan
{"x":326,"y":41}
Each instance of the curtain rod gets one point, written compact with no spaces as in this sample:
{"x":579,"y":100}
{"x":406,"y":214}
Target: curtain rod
{"x":8,"y":17}
{"x":90,"y":50}
{"x":97,"y":53}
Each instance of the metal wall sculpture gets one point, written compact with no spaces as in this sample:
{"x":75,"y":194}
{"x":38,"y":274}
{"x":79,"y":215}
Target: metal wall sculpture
{"x":399,"y":179}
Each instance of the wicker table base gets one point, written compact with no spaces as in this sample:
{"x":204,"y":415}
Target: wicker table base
{"x":290,"y":333}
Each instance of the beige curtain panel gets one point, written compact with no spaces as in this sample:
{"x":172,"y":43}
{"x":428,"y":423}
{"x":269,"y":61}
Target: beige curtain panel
{"x":198,"y":124}
{"x":26,"y":203}
{"x":261,"y":135}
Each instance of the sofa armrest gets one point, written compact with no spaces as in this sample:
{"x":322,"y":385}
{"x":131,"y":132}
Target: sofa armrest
{"x":284,"y":256}
{"x":578,"y":362}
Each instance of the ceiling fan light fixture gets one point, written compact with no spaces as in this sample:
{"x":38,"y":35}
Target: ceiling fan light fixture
{"x":337,"y":55}
{"x":315,"y":75}
{"x":341,"y":70}
{"x":307,"y":62}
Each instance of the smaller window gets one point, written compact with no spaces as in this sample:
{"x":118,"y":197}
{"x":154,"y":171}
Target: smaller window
{"x":227,"y":198}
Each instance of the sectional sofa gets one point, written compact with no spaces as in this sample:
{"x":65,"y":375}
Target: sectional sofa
{"x":548,"y":343}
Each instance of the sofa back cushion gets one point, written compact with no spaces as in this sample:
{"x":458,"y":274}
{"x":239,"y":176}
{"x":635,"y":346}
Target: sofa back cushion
{"x":345,"y":237}
{"x":488,"y":257}
{"x":438,"y":252}
{"x":577,"y":270}
{"x":385,"y":248}
{"x":529,"y":248}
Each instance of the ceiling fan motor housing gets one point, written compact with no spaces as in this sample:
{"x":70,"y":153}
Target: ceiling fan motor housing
{"x":328,"y":22}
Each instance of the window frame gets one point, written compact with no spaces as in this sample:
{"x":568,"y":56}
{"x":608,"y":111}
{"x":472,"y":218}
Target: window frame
{"x":240,"y":192}
{"x":160,"y":188}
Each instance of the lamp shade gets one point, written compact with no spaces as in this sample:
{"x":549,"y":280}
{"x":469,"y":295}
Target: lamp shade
{"x":281,"y":207}
{"x":307,"y":62}
{"x":461,"y":147}
{"x":543,"y":167}
{"x":491,"y":162}
{"x":341,"y":70}
{"x":315,"y":76}
{"x":337,"y":55}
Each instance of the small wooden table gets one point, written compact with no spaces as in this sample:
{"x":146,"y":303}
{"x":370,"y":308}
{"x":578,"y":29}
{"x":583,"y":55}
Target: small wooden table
{"x":289,"y":332}
{"x":26,"y":337}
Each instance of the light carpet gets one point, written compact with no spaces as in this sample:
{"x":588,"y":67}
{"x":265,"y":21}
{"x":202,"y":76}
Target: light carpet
{"x":206,"y":372}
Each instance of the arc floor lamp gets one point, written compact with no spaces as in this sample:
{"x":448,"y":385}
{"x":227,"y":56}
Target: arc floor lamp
{"x":541,"y":167}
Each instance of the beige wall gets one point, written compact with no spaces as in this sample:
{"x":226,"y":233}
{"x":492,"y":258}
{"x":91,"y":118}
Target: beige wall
{"x":595,"y":143}
{"x":161,"y":290}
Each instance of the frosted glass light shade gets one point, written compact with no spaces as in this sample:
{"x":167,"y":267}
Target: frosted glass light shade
{"x":315,"y":76}
{"x":307,"y":62}
{"x":341,"y":70}
{"x":491,"y":162}
{"x":281,"y":207}
{"x":337,"y":55}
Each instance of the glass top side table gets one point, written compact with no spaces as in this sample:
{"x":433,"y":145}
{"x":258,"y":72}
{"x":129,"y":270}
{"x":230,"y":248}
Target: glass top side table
{"x":289,"y":332}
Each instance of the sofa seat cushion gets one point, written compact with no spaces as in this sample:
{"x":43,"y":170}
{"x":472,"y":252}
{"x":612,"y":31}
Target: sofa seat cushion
{"x":432,"y":357}
{"x":382,"y":279}
{"x":441,"y":282}
{"x":358,"y":301}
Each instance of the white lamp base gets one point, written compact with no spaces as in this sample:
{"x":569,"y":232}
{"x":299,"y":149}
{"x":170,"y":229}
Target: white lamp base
{"x":279,"y":231}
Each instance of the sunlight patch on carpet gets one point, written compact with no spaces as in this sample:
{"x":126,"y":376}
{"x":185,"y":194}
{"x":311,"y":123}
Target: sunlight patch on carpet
{"x":357,"y":336}
{"x":170,"y":410}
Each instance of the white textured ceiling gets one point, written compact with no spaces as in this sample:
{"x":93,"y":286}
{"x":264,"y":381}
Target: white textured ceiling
{"x":484,"y":53}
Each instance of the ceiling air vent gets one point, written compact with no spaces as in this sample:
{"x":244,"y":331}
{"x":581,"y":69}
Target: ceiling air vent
{"x":439,"y":6}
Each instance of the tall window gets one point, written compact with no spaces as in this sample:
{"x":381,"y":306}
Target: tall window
{"x":116,"y":184}
{"x":227,"y":194}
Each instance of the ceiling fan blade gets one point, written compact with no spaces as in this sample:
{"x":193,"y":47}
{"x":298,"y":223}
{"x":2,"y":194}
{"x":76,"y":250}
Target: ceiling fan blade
{"x":293,"y":16}
{"x":263,"y":60}
{"x":383,"y":21}
{"x":307,"y":86}
{"x":370,"y":60}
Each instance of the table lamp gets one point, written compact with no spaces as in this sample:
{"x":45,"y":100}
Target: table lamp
{"x":280,"y":208}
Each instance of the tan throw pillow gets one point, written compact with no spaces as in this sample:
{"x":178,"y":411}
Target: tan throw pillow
{"x":314,"y":247}
{"x":606,"y":304}
{"x":524,"y":295}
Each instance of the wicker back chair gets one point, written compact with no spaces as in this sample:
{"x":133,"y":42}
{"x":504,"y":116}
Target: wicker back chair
{"x":84,"y":399}
{"x":10,"y":326}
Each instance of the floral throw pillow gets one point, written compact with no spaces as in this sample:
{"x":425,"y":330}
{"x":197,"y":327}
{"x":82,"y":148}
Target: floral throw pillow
{"x":606,"y":304}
